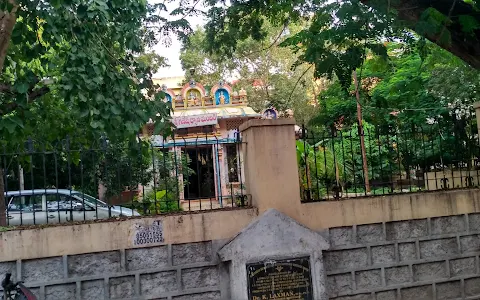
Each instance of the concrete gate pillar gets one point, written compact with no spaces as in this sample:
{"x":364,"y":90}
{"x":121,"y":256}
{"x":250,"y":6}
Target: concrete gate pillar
{"x":270,"y":165}
{"x":274,"y":257}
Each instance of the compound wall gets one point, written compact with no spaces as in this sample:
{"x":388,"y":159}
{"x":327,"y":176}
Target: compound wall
{"x":434,"y":258}
{"x":176,"y":272}
{"x":403,"y":247}
{"x":431,"y":258}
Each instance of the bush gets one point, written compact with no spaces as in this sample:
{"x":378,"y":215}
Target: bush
{"x":158,"y":202}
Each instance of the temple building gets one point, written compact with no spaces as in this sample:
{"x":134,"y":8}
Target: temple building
{"x":206,"y":124}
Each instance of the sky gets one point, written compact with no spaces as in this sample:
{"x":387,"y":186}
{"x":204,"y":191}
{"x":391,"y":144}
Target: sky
{"x":172,"y":52}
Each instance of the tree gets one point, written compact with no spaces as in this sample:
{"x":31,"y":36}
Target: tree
{"x":82,"y":60}
{"x":420,"y":100}
{"x":69,"y":164}
{"x":164,"y":195}
{"x":339,"y":32}
{"x":335,"y":40}
{"x":413,"y":86}
{"x":379,"y":151}
{"x":84,"y":55}
{"x":337,"y":107}
{"x":452,"y":24}
{"x":262,"y":67}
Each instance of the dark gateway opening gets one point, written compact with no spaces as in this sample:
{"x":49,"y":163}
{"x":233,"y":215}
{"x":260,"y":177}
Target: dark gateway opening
{"x":201,"y":184}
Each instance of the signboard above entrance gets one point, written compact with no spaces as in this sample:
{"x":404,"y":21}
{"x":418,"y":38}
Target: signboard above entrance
{"x":195,"y":121}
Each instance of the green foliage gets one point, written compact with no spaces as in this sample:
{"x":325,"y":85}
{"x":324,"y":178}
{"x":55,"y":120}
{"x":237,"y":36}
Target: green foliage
{"x":336,"y":39}
{"x":153,"y":60}
{"x":407,"y":90}
{"x":469,"y":24}
{"x":424,"y":103}
{"x":318,"y":169}
{"x":336,"y":106}
{"x":123,"y":166}
{"x":84,"y":61}
{"x":338,"y":48}
{"x":159,"y":202}
{"x":262,"y":62}
{"x":380,"y":152}
{"x":164,"y":195}
{"x":119,"y":166}
{"x":339,"y":35}
{"x":166,"y":170}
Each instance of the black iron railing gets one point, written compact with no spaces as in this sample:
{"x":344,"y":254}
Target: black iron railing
{"x":76,"y":181}
{"x":337,"y":164}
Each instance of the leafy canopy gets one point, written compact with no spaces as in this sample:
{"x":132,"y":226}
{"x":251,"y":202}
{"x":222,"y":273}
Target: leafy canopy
{"x":340,"y":33}
{"x":335,"y":40}
{"x":263,"y":68}
{"x":83,"y":59}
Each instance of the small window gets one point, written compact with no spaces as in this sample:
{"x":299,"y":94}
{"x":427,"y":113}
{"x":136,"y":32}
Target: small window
{"x":232,"y":162}
{"x":25,"y":203}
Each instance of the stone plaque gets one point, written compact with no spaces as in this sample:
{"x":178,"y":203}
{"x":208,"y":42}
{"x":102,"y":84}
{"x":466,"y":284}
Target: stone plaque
{"x":280,"y":280}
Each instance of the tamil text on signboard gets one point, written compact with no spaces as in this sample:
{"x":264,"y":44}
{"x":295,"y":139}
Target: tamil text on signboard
{"x":194,"y":121}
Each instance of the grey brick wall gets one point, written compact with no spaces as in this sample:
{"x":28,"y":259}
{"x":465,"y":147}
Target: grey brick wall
{"x":432,"y":259}
{"x":426,"y":259}
{"x":170,"y":272}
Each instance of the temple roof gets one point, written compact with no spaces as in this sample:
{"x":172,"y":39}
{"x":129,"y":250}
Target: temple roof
{"x":224,"y":112}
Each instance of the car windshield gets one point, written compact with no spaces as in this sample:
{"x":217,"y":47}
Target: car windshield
{"x":89,"y":199}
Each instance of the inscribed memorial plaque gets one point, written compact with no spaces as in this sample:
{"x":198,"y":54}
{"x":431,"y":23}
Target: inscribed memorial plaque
{"x":280,"y":280}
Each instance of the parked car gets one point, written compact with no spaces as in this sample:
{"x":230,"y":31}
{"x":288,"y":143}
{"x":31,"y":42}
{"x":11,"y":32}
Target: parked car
{"x":58,"y":206}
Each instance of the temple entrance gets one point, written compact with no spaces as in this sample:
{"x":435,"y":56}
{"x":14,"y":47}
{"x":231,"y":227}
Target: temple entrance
{"x":201,"y":184}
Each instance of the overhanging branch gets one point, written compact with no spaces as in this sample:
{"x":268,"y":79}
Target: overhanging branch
{"x":465,"y":47}
{"x":32,"y":95}
{"x":5,"y":88}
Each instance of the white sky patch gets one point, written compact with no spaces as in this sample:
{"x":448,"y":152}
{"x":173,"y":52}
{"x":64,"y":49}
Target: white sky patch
{"x":172,"y":52}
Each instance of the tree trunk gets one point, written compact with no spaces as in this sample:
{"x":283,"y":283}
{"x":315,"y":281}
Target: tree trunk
{"x":3,"y":207}
{"x":7,"y":22}
{"x":360,"y":131}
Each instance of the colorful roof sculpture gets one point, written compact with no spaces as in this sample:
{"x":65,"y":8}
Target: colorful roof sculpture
{"x":194,"y":106}
{"x":194,"y":94}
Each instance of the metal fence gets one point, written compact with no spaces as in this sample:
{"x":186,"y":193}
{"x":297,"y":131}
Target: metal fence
{"x":75,"y":181}
{"x":369,"y":161}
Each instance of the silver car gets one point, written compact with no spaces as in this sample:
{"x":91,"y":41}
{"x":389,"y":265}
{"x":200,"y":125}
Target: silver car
{"x":44,"y":206}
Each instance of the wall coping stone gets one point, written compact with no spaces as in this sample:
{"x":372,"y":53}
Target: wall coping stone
{"x":261,"y":123}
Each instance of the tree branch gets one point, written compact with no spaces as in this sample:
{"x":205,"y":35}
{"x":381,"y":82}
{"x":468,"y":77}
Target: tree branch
{"x":32,"y":95}
{"x":448,"y":19}
{"x":298,"y":80}
{"x":275,"y":41}
{"x":467,"y":49}
{"x":5,"y":88}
